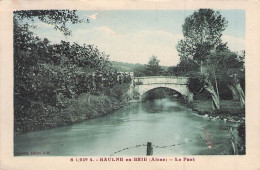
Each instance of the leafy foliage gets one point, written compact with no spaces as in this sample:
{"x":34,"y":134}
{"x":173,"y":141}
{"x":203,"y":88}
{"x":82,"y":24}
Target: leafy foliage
{"x":186,"y":67}
{"x":151,"y":69}
{"x":225,"y":65}
{"x":125,"y":67}
{"x":202,"y":43}
{"x":57,"y":18}
{"x":140,"y":71}
{"x":54,"y":75}
{"x":202,"y":35}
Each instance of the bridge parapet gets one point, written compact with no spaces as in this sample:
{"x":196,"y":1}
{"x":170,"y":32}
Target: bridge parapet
{"x":161,"y":79}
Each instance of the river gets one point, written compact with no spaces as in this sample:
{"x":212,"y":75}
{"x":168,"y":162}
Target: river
{"x":172,"y":128}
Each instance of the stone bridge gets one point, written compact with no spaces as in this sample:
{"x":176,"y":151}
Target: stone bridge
{"x":141,"y":85}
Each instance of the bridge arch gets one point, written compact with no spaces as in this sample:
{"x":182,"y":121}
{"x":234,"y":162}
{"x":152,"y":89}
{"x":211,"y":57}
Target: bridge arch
{"x":142,"y":89}
{"x":151,"y":95}
{"x":141,"y":85}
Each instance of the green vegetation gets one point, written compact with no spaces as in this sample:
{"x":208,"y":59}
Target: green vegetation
{"x":186,"y":67}
{"x":208,"y":62}
{"x":151,"y":69}
{"x":59,"y":84}
{"x":214,"y":71}
{"x":125,"y":67}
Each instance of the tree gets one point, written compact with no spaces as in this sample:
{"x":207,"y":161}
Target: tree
{"x":186,"y":67}
{"x":153,"y":68}
{"x":50,"y":78}
{"x":43,"y":71}
{"x":229,"y":69}
{"x":202,"y":33}
{"x":31,"y":53}
{"x":139,"y":71}
{"x":57,"y":18}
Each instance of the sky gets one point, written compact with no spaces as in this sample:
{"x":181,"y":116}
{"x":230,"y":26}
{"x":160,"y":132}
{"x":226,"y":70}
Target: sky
{"x":133,"y":36}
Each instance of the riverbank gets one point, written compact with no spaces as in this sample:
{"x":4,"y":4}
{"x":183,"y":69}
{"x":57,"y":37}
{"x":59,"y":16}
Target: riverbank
{"x":230,"y":111}
{"x":83,"y":107}
{"x":48,"y":117}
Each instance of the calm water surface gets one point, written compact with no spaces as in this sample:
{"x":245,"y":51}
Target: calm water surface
{"x":163,"y":122}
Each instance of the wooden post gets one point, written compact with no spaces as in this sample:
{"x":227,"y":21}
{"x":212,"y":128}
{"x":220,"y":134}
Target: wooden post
{"x":149,"y":148}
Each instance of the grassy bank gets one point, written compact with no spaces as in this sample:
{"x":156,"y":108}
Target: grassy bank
{"x":85,"y":106}
{"x":229,"y":111}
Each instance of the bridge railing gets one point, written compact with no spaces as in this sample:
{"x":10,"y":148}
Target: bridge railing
{"x":161,"y":80}
{"x":176,"y":77}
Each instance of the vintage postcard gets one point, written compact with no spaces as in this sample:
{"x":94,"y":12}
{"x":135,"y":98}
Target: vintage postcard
{"x":133,"y":85}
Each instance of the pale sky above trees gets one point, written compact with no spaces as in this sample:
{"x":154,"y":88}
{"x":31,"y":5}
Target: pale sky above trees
{"x":134,"y":36}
